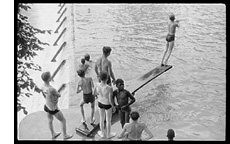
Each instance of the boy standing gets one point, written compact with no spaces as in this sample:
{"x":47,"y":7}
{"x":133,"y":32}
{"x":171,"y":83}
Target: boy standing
{"x":86,"y":85}
{"x":105,"y":104}
{"x":170,"y":37}
{"x":51,"y":108}
{"x":123,"y":97}
{"x":104,"y":64}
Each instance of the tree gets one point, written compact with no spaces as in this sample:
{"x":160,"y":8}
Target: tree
{"x":27,"y":46}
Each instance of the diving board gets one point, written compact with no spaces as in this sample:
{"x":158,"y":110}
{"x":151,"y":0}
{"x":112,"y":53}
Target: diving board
{"x":88,"y":130}
{"x":149,"y":76}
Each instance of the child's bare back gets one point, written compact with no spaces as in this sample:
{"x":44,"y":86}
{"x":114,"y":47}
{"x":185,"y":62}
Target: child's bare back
{"x":86,"y":84}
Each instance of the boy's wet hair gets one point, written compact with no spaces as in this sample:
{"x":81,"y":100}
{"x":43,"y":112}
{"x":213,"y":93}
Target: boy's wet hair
{"x":81,"y":72}
{"x":134,"y":115}
{"x":87,"y":57}
{"x":170,"y":134}
{"x":106,"y":49}
{"x":172,"y":16}
{"x":45,"y":76}
{"x":83,"y":61}
{"x":118,"y":81}
{"x":103,"y":75}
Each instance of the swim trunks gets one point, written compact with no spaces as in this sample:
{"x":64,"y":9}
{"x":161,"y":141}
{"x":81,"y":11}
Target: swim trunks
{"x":46,"y":109}
{"x":103,"y":106}
{"x":88,"y":98}
{"x":170,"y":38}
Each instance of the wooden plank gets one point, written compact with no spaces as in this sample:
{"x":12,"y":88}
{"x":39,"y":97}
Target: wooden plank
{"x":149,"y":76}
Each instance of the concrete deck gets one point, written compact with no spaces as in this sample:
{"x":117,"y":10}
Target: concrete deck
{"x":35,"y":125}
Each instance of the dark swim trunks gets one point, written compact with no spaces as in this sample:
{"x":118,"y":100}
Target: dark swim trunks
{"x":103,"y":106}
{"x":46,"y":109}
{"x":88,"y":98}
{"x":170,"y":38}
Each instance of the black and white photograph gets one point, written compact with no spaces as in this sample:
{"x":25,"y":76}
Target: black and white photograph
{"x":121,"y":71}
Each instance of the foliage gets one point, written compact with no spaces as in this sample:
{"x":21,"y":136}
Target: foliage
{"x":27,"y":46}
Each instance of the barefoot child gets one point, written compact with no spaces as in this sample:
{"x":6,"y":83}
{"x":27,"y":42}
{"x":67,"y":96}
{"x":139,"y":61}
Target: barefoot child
{"x":51,"y":108}
{"x":123,"y":96}
{"x":105,"y":104}
{"x":86,"y":85}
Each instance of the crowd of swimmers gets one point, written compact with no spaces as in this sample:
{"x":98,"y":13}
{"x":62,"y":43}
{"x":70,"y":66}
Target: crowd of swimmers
{"x":105,"y":95}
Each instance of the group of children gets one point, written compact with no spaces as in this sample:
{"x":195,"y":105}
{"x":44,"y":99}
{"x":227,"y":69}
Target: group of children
{"x":105,"y":96}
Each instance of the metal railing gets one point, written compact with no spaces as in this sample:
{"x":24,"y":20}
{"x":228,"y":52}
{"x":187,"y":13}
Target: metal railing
{"x":61,"y":8}
{"x":62,"y":87}
{"x":61,"y":15}
{"x":56,"y":31}
{"x":59,"y":67}
{"x":55,"y":43}
{"x":59,"y":50}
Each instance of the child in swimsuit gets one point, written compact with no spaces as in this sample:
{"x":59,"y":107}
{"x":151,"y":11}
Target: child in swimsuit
{"x":51,"y":108}
{"x":123,"y":96}
{"x":86,"y":85}
{"x":133,"y":130}
{"x":104,"y":64}
{"x":105,"y":104}
{"x":170,"y":37}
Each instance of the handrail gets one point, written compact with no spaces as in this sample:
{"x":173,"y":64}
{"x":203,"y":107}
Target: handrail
{"x":61,"y":47}
{"x":61,"y":8}
{"x":61,"y":87}
{"x":61,"y":15}
{"x":55,"y":43}
{"x":59,"y":67}
{"x":56,"y":31}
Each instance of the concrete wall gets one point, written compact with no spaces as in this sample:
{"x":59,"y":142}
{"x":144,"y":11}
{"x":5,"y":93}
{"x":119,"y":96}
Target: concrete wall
{"x":67,"y":73}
